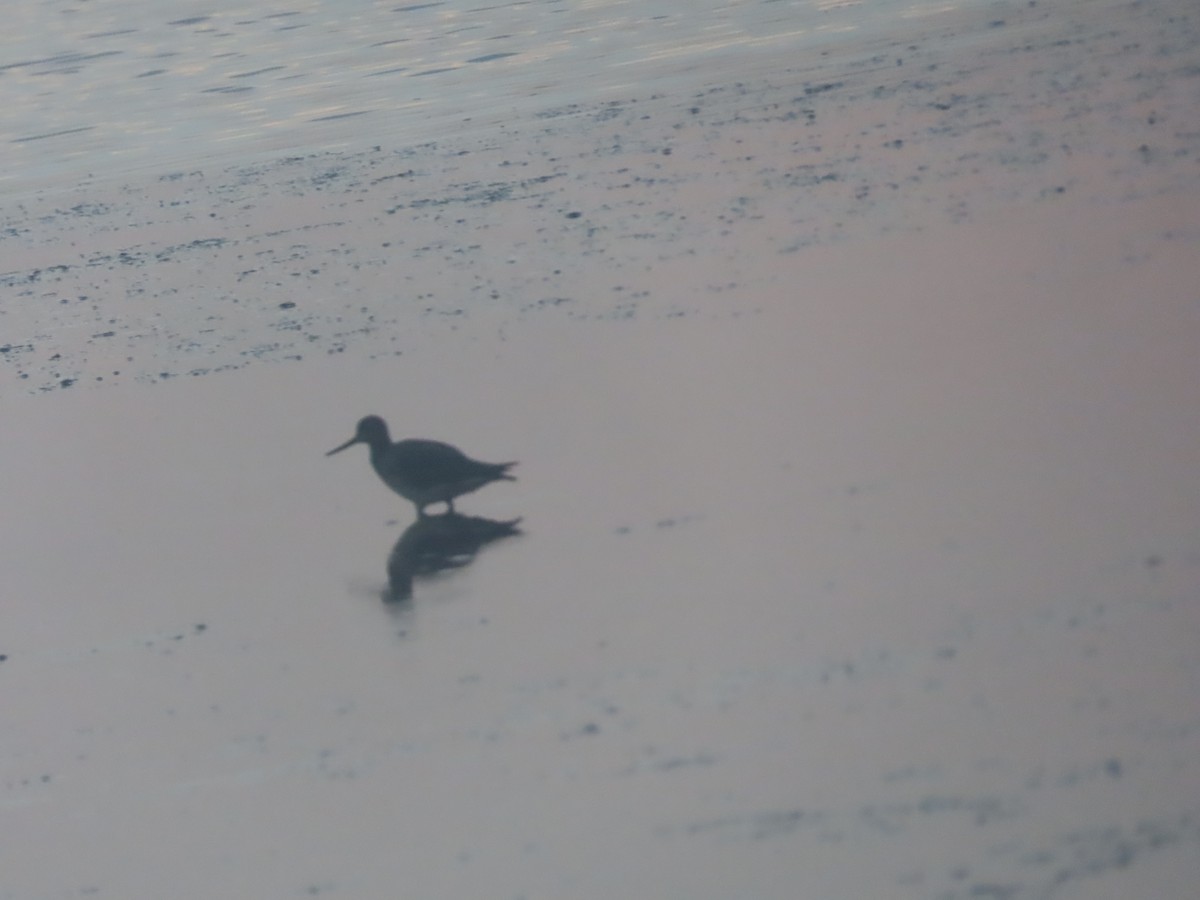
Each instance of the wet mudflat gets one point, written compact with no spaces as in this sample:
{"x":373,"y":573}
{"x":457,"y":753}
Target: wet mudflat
{"x":853,"y":393}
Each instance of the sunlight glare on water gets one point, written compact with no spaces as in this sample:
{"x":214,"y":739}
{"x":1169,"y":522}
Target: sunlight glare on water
{"x":98,"y":89}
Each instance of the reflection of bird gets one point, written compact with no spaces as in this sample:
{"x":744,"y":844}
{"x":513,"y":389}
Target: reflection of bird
{"x":434,"y":544}
{"x":423,"y":471}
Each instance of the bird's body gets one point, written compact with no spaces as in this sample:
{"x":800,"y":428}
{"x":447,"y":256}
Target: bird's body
{"x":423,"y":471}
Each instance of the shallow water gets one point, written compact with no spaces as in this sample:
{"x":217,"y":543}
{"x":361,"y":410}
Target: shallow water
{"x":119,"y":86}
{"x":854,"y":404}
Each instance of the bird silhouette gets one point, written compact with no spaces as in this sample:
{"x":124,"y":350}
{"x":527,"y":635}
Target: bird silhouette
{"x":423,"y":471}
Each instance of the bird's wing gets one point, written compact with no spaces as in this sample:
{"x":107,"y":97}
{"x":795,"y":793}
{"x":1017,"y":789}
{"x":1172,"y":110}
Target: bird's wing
{"x":429,"y":463}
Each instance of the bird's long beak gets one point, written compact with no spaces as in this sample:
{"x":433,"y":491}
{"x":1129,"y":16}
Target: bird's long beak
{"x":349,"y":443}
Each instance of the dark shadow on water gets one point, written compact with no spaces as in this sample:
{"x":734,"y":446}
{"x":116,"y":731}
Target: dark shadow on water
{"x":435,"y":544}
